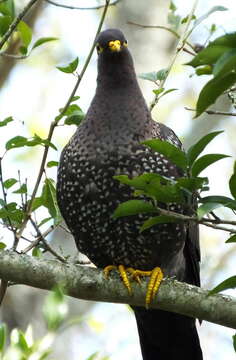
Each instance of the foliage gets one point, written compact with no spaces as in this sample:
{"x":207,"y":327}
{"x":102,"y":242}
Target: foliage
{"x":153,"y":193}
{"x":22,"y":345}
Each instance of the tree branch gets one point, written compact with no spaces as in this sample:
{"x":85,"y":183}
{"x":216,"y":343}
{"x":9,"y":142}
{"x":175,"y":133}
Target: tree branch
{"x":89,"y":283}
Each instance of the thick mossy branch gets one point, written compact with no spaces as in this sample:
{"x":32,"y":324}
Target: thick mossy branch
{"x":89,"y":284}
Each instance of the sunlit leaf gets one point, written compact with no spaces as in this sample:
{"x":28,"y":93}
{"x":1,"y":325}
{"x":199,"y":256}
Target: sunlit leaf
{"x":49,"y":200}
{"x":133,"y":207}
{"x":229,"y":283}
{"x":207,"y":208}
{"x":226,"y":63}
{"x":9,"y":183}
{"x":52,"y":163}
{"x":7,"y":7}
{"x":232,"y":182}
{"x":2,"y":246}
{"x":154,"y":75}
{"x":161,"y":219}
{"x":7,"y":120}
{"x":196,"y":149}
{"x":5,"y":22}
{"x":203,"y":162}
{"x":212,"y":90}
{"x":25,"y":33}
{"x":224,"y":200}
{"x":36,"y":252}
{"x":232,"y":239}
{"x":71,"y":67}
{"x":16,"y":141}
{"x":3,"y":335}
{"x":21,"y":190}
{"x":42,"y":41}
{"x":177,"y":156}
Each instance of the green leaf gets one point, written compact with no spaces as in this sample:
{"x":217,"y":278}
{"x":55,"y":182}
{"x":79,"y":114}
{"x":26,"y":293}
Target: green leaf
{"x":196,"y":149}
{"x":229,"y":283}
{"x":133,"y":207}
{"x":36,"y":252}
{"x":140,"y":182}
{"x":42,"y":41}
{"x":161,"y":219}
{"x":16,"y":141}
{"x":71,"y":67}
{"x":232,"y":239}
{"x":93,"y":356}
{"x":207,"y":208}
{"x":158,"y":91}
{"x":214,"y":50}
{"x":55,"y":309}
{"x":44,"y":221}
{"x":7,"y":8}
{"x":204,"y":70}
{"x":212,"y":90}
{"x":192,"y":184}
{"x":52,"y":163}
{"x":154,"y":76}
{"x":25,"y":33}
{"x":169,"y":91}
{"x":177,"y":156}
{"x":9,"y":183}
{"x":5,"y":22}
{"x":75,"y":119}
{"x":224,"y":200}
{"x":234,"y":342}
{"x":226,"y":63}
{"x":208,"y":56}
{"x":3,"y":336}
{"x":7,"y":120}
{"x":49,"y":200}
{"x":232,"y":182}
{"x":203,"y":162}
{"x":37,"y":202}
{"x":21,"y":190}
{"x":2,"y":247}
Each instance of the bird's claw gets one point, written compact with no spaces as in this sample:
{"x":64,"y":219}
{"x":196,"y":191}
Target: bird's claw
{"x":156,"y":276}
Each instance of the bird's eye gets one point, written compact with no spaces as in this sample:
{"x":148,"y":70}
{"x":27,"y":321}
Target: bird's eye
{"x":99,"y":48}
{"x":125,"y":43}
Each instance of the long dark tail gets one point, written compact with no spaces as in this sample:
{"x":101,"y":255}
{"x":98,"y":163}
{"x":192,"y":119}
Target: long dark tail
{"x":167,"y":336}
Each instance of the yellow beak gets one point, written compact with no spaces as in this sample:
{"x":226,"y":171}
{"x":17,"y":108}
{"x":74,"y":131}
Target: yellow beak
{"x":115,"y":45}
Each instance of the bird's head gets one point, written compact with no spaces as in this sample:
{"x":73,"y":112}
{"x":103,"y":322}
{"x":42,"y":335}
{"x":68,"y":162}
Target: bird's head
{"x":111,"y":41}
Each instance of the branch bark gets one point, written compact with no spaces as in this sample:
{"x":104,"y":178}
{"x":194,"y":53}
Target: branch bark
{"x":89,"y":284}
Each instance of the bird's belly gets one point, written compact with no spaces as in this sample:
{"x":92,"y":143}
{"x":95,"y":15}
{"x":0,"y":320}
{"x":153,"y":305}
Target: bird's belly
{"x":89,"y":198}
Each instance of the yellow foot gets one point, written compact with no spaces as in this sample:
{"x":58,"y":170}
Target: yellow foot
{"x":123,"y":274}
{"x":156,"y":276}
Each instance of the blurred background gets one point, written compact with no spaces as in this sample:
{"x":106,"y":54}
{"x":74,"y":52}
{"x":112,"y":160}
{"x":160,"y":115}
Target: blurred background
{"x":32,"y":91}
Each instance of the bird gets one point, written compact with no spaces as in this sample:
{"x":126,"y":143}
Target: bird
{"x":107,"y":143}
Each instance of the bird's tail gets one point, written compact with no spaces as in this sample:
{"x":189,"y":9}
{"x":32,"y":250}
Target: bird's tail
{"x":167,"y":336}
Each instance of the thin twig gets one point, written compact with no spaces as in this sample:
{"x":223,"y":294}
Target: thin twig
{"x":55,"y":123}
{"x":173,"y":32}
{"x":38,"y":239}
{"x":14,"y":24}
{"x":218,"y":227}
{"x":180,"y":46}
{"x":78,"y":7}
{"x":45,"y":243}
{"x":214,"y":112}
